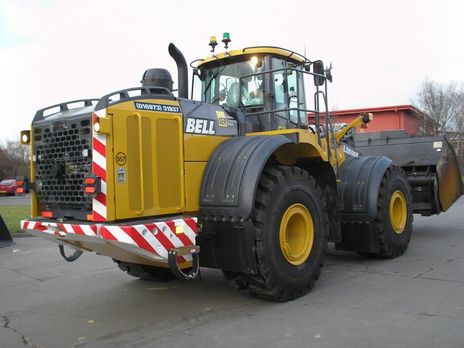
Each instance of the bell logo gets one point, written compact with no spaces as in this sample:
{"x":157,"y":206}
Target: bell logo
{"x":200,"y":126}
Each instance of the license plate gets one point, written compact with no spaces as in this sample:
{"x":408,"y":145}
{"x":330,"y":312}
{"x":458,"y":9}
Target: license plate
{"x":2,"y":191}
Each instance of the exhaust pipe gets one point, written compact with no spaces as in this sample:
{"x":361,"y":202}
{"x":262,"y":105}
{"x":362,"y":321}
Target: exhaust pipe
{"x":182,"y":72}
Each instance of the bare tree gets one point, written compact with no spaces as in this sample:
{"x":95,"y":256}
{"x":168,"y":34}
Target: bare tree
{"x":14,"y":159}
{"x":459,"y":115}
{"x":442,"y":103}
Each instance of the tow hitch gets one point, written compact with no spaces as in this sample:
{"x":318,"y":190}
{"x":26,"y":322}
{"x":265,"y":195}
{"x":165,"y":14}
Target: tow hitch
{"x":187,"y":250}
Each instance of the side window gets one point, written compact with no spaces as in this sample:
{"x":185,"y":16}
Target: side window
{"x":252,"y":91}
{"x":296,"y":95}
{"x":293,"y":104}
{"x":210,"y":94}
{"x":196,"y":91}
{"x":228,"y":90}
{"x":280,"y":90}
{"x":302,"y":98}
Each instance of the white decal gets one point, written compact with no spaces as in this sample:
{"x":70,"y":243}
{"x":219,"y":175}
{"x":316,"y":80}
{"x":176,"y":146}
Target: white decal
{"x":190,"y":128}
{"x":349,"y":151}
{"x":157,"y":107}
{"x":200,"y":126}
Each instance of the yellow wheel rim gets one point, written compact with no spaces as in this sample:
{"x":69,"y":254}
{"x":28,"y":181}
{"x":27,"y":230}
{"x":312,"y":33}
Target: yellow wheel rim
{"x":398,"y":211}
{"x":296,"y":234}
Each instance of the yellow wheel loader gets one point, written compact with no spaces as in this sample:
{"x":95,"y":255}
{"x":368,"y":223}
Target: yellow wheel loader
{"x":233,"y":178}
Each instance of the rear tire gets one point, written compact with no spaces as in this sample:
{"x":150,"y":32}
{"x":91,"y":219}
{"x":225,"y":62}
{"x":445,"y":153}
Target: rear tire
{"x":291,"y":228}
{"x":393,"y":222}
{"x":146,"y":272}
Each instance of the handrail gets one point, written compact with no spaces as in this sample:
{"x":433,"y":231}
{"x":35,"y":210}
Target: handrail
{"x":39,"y":115}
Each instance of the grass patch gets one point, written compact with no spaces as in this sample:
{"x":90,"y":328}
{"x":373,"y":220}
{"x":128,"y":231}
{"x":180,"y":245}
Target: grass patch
{"x":13,"y":214}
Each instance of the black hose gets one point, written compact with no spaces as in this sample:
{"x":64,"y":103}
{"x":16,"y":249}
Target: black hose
{"x":77,"y":253}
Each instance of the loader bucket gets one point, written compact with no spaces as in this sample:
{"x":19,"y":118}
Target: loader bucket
{"x":430,"y":162}
{"x":5,"y":235}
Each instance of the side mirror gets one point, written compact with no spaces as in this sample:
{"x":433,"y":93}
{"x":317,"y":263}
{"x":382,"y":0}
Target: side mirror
{"x":318,"y":68}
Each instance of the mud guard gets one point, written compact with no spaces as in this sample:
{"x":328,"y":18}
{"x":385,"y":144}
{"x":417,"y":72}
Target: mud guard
{"x":227,"y":199}
{"x":232,"y":174}
{"x":359,"y":185}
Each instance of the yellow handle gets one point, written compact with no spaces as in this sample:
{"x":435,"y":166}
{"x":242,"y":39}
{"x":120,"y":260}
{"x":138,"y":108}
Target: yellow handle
{"x":363,"y":119}
{"x":142,"y":189}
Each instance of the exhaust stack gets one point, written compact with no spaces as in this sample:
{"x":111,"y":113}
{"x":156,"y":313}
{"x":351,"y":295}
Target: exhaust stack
{"x":182,"y":72}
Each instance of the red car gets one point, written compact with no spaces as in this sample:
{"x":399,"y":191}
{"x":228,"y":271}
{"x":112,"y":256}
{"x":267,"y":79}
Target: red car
{"x":8,"y":187}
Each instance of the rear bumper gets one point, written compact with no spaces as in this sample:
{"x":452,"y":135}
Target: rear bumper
{"x":144,"y":242}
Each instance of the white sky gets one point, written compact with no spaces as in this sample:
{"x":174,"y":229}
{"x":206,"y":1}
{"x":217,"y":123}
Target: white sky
{"x":55,"y":51}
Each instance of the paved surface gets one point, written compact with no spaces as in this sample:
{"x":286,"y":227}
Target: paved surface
{"x":15,"y":200}
{"x":416,"y":300}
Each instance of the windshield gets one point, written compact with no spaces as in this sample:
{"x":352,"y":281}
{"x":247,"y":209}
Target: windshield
{"x":222,"y":84}
{"x":7,"y":182}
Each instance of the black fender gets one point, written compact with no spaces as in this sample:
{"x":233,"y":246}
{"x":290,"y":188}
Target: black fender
{"x":232,"y":175}
{"x":359,"y":185}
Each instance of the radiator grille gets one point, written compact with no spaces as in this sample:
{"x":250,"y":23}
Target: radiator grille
{"x":63,"y":158}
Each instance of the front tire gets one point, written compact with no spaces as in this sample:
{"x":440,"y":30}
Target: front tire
{"x":291,"y":228}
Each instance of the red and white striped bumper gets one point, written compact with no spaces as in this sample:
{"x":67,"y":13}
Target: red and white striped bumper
{"x":147,"y":242}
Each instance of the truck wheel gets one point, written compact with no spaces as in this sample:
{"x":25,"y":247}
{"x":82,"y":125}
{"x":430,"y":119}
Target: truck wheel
{"x":291,"y":229}
{"x":393,"y":222}
{"x":145,"y":272}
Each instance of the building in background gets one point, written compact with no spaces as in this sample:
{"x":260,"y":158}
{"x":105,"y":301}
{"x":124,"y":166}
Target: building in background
{"x":399,"y":117}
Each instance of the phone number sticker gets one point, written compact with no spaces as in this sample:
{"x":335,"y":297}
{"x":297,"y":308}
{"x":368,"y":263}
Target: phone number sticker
{"x":157,"y":107}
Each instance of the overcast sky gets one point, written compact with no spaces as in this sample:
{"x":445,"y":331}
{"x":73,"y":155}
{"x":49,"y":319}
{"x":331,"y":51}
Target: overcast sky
{"x":55,"y":51}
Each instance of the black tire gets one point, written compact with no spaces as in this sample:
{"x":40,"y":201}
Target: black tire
{"x":279,"y":189}
{"x":146,"y":272}
{"x":392,"y":244}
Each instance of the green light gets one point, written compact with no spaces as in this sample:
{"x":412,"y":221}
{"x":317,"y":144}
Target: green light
{"x":226,"y":39}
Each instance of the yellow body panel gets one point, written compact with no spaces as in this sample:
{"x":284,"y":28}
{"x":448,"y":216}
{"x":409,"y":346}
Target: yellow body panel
{"x":147,"y":160}
{"x":201,"y":147}
{"x":197,"y":150}
{"x":306,"y":147}
{"x":193,"y":176}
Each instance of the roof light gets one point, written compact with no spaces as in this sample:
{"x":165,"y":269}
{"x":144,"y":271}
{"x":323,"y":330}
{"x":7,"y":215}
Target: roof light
{"x":212,"y":43}
{"x":47,"y":214}
{"x":226,"y":39}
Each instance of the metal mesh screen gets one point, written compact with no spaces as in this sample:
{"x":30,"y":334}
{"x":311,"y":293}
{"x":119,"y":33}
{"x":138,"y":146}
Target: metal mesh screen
{"x":63,"y":158}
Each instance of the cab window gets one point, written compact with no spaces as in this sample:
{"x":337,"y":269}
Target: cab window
{"x":232,"y":86}
{"x":288,"y":91}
